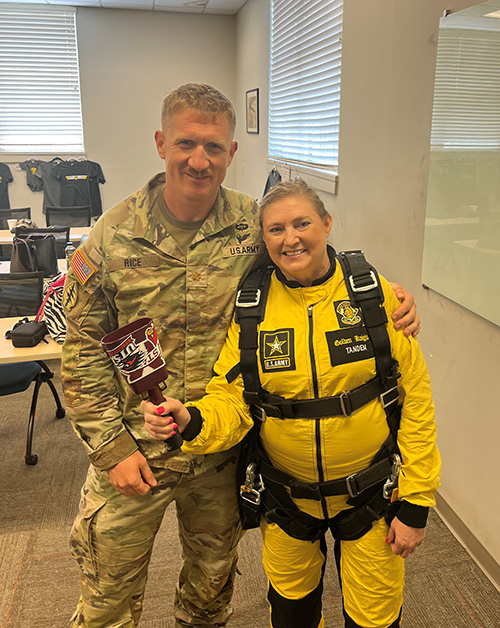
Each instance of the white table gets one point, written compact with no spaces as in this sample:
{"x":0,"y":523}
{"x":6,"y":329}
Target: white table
{"x":75,"y":234}
{"x":5,"y":266}
{"x":50,"y":350}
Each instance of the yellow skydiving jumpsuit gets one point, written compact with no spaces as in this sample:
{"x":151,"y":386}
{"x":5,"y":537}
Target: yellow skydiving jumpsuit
{"x":312,"y":344}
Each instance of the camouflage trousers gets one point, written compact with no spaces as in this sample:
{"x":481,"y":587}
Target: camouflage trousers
{"x":112,"y":540}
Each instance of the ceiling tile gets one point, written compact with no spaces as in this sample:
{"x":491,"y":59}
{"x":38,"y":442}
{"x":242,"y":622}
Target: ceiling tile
{"x":127,"y":4}
{"x":221,"y":7}
{"x":77,"y":3}
{"x":229,"y":7}
{"x":179,"y":6}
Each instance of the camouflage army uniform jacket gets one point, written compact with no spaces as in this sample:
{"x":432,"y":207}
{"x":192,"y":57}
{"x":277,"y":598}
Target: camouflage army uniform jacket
{"x":128,"y":268}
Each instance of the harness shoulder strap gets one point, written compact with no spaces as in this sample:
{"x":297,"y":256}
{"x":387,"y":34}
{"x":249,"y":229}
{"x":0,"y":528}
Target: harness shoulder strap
{"x":365,"y":291}
{"x":251,"y":302}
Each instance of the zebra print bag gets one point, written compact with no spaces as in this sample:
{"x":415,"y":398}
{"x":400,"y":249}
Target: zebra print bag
{"x":51,"y":310}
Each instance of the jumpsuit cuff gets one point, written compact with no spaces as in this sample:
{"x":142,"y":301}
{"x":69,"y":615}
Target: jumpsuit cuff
{"x":114,"y":452}
{"x":194,"y":426}
{"x":413,"y":515}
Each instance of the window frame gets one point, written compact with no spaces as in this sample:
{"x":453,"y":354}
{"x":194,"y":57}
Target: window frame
{"x":288,"y":53}
{"x":62,"y":75}
{"x":466,"y":93}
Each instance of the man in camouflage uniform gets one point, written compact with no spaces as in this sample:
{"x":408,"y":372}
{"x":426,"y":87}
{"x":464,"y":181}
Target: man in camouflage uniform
{"x":174,"y":251}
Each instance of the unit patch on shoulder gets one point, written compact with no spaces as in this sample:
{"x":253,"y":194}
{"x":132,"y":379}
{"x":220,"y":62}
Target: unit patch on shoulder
{"x":82,"y":267}
{"x":347,"y":314}
{"x":349,"y":345}
{"x":277,"y":350}
{"x":69,"y":295}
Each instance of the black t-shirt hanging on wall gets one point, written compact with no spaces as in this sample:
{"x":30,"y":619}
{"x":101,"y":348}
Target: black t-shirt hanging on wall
{"x":5,"y":178}
{"x":51,"y":187}
{"x":79,"y":182}
{"x":31,"y":167}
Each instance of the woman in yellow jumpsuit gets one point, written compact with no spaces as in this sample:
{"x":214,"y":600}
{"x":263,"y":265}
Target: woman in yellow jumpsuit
{"x":312,"y":344}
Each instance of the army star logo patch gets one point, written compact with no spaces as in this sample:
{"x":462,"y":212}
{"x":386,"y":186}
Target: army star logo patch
{"x":277,"y":350}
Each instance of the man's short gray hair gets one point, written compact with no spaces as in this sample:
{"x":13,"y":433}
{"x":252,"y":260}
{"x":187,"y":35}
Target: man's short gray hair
{"x":198,"y":96}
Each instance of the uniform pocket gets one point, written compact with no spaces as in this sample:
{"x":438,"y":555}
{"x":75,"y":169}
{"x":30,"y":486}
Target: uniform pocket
{"x":83,"y":539}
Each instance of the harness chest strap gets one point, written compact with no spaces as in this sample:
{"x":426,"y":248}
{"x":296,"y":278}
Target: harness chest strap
{"x":344,"y":404}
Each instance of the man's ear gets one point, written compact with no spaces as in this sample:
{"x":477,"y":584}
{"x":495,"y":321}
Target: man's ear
{"x":160,"y":143}
{"x":232,"y":150}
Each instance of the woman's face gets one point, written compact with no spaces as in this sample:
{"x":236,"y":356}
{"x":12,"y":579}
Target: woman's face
{"x":295,"y":236}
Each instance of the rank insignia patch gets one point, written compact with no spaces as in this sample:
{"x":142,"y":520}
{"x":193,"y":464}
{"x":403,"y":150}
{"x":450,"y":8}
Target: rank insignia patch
{"x":347,"y":314}
{"x":277,"y":350}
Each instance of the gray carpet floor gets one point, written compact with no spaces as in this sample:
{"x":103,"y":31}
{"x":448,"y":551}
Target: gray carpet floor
{"x":39,"y":582}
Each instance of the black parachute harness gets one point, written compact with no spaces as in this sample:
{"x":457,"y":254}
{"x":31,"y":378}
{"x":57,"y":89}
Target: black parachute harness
{"x":263,"y":489}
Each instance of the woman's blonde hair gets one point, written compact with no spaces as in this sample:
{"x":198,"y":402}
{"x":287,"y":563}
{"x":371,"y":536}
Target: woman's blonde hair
{"x":293,"y":189}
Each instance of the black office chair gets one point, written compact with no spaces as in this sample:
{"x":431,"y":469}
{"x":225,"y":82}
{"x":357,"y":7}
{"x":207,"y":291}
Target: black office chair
{"x":20,"y":294}
{"x":7,"y":214}
{"x":23,"y":291}
{"x":61,"y":234}
{"x":68,"y":216}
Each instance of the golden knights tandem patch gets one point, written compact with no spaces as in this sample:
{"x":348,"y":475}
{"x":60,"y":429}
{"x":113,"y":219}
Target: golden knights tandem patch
{"x":277,"y":350}
{"x":349,"y":345}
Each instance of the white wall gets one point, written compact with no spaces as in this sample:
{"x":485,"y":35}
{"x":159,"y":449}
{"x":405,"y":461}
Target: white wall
{"x":389,"y":51}
{"x":252,"y":71}
{"x":128,"y":59}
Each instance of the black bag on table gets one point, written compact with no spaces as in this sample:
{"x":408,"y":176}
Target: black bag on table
{"x":26,"y":333}
{"x":32,"y":252}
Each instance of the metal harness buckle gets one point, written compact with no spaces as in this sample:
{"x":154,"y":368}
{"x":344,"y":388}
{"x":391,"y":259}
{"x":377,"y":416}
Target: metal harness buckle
{"x":392,"y":480}
{"x":259,"y":413}
{"x":345,"y":404}
{"x":374,"y":283}
{"x":386,"y":392}
{"x":248,"y":297}
{"x":352,"y":488}
{"x":253,"y":487}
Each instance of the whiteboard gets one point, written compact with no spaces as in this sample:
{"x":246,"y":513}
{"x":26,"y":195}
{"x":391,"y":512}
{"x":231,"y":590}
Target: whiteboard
{"x":462,"y":227}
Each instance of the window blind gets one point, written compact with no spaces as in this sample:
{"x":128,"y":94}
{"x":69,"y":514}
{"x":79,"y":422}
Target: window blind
{"x":466,"y":110}
{"x":304,"y":94}
{"x":40,"y":108}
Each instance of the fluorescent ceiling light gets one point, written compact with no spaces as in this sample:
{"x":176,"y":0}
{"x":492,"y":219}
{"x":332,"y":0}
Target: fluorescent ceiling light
{"x":494,"y":14}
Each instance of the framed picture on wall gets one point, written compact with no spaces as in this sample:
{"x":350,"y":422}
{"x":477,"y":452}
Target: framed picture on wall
{"x":252,"y":106}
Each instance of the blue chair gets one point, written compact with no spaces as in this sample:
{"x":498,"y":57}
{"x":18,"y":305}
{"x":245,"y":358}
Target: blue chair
{"x":23,"y":292}
{"x":18,"y":377}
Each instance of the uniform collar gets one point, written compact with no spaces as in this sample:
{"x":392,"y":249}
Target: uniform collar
{"x":317,"y":282}
{"x":222,"y":215}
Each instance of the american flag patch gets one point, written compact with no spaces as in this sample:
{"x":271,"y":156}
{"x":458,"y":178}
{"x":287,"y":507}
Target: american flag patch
{"x":82,"y":267}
